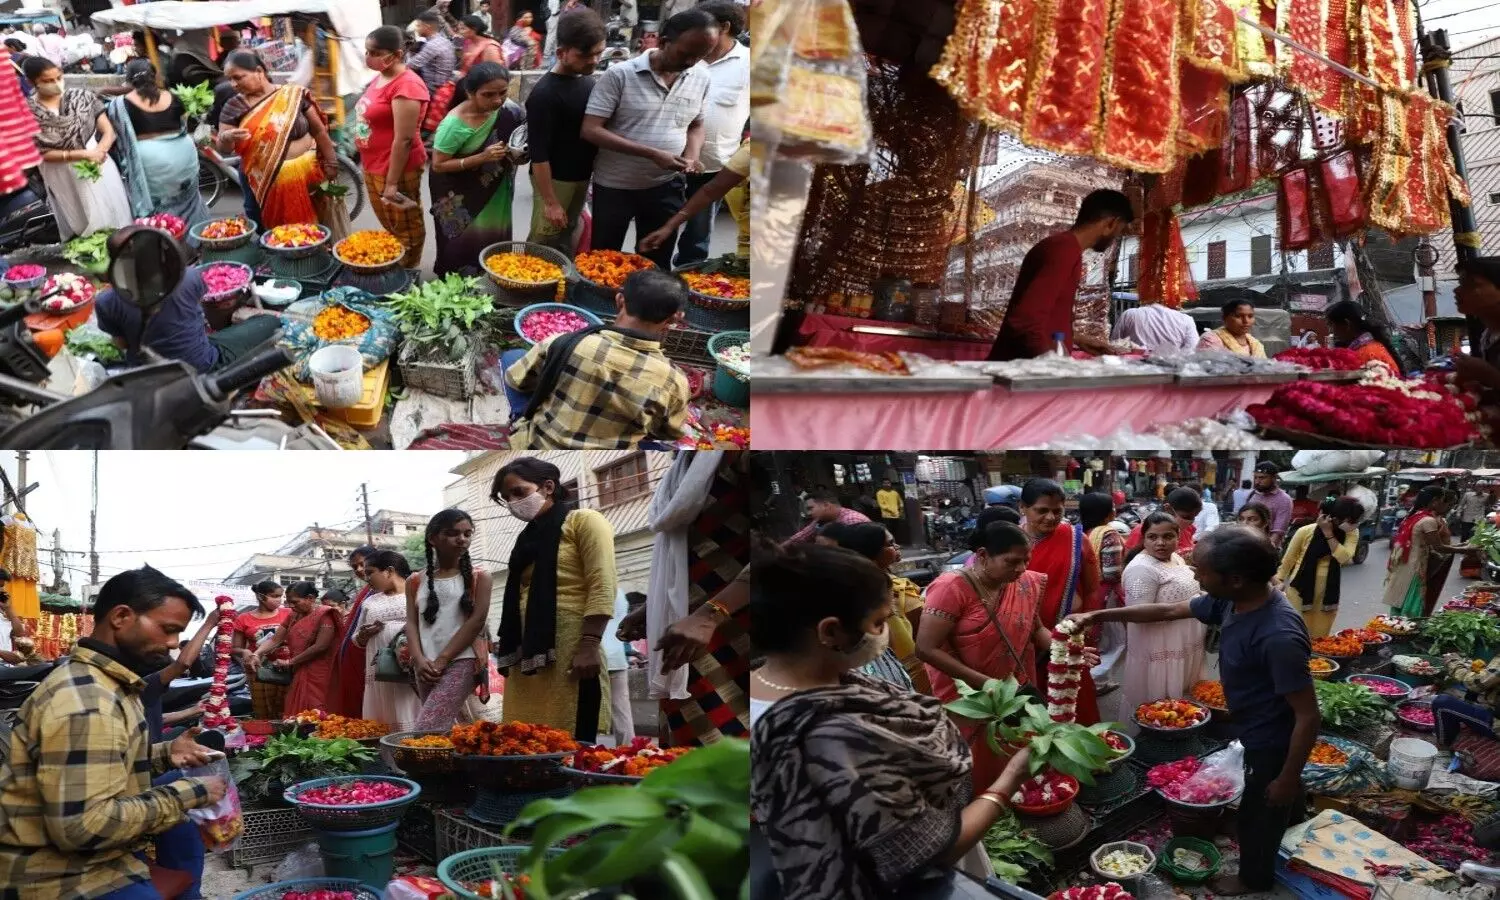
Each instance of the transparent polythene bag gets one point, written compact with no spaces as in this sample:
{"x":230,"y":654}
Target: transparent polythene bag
{"x":219,"y":825}
{"x":1224,"y":770}
{"x":807,"y":81}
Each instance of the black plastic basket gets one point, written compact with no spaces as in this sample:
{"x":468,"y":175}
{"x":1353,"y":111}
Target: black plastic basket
{"x":501,"y":808}
{"x":515,"y":774}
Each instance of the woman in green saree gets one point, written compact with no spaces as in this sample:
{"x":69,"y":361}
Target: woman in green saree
{"x":1421,"y":555}
{"x":473,"y":179}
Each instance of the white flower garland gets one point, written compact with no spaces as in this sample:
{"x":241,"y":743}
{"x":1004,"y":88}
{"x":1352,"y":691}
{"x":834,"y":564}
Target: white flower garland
{"x":216,"y":708}
{"x":1066,"y":654}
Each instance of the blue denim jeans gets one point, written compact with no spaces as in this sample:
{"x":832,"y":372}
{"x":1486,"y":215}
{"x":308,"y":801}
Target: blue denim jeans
{"x":693,"y":240}
{"x":516,"y":399}
{"x":1452,"y":714}
{"x":179,"y":848}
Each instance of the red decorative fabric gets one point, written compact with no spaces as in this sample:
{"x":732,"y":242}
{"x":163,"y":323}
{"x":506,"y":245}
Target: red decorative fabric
{"x":1293,"y":210}
{"x":1339,"y":177}
{"x":18,"y":151}
{"x":1205,"y":109}
{"x":1322,"y":25}
{"x":1484,"y":751}
{"x":1167,"y":277}
{"x":1234,"y":172}
{"x":1141,"y":93}
{"x":1062,"y":114}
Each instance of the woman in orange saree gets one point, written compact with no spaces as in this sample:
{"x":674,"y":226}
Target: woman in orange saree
{"x":1062,"y":553}
{"x":981,"y":623}
{"x":282,"y":141}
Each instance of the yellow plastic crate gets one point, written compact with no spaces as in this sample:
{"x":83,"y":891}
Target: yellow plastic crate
{"x":371,"y":406}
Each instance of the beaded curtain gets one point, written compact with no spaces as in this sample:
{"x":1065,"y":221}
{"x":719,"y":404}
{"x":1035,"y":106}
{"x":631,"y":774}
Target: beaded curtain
{"x":893,"y":217}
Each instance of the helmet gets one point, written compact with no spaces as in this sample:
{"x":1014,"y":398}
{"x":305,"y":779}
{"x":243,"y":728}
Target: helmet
{"x":1004,"y":495}
{"x":1119,"y":498}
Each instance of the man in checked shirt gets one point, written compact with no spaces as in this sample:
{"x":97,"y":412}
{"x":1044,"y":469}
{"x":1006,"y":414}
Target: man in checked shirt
{"x":77,"y":808}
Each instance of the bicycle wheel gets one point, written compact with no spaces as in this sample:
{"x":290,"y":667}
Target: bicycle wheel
{"x":210,"y":183}
{"x":352,"y":178}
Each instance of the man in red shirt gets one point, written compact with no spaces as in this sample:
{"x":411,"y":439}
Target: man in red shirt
{"x":1041,"y":305}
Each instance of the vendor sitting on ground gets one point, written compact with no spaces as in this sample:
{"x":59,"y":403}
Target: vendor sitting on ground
{"x":178,"y":329}
{"x":1476,"y":710}
{"x":608,"y":387}
{"x":1234,"y":335}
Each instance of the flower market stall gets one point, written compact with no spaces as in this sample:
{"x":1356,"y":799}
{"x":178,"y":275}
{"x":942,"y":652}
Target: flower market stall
{"x":871,"y":208}
{"x":342,"y":806}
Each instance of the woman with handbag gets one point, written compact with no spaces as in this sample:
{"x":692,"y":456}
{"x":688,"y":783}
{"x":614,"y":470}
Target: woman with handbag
{"x":983,"y":622}
{"x":842,"y":762}
{"x":447,"y":605}
{"x":253,"y":628}
{"x":308,"y":634}
{"x":389,"y":694}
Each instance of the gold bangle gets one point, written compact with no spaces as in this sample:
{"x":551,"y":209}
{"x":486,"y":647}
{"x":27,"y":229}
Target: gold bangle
{"x":993,"y":798}
{"x":719,"y":607}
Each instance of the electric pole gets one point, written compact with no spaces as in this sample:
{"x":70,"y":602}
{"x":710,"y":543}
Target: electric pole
{"x":21,"y":457}
{"x":364,"y":492}
{"x":94,"y":527}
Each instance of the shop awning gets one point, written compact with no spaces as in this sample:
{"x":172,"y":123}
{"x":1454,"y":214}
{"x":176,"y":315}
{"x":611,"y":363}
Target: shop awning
{"x":1295,"y":477}
{"x":1429,"y":474}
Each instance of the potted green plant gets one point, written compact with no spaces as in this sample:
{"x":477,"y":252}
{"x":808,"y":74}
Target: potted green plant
{"x":262,"y":775}
{"x":1013,"y":718}
{"x":680,"y":834}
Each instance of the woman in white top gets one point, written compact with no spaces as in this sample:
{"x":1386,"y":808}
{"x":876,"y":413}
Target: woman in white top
{"x":1164,"y":659}
{"x":384,"y":616}
{"x":446,"y":609}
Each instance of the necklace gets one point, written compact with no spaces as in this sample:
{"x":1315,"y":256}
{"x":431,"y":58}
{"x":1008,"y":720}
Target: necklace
{"x":771,"y":684}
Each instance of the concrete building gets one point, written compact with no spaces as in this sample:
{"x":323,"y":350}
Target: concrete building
{"x":321,"y":555}
{"x":1476,"y":91}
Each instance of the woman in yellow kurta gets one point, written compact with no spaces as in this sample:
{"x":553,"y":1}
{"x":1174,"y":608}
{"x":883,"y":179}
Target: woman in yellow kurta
{"x":876,"y":543}
{"x":559,"y":596}
{"x":1311,"y":568}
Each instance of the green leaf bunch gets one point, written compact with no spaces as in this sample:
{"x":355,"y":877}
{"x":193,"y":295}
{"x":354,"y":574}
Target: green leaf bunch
{"x":1461,"y":632}
{"x":1015,"y":852}
{"x":287,"y":759}
{"x":1012,"y":717}
{"x":1350,"y":706}
{"x":439,"y":317}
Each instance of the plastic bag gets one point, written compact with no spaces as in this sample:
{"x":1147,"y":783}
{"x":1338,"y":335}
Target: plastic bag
{"x":807,"y":81}
{"x":304,"y":862}
{"x":374,"y":345}
{"x":219,"y":825}
{"x":1361,"y":772}
{"x":1222,"y":777}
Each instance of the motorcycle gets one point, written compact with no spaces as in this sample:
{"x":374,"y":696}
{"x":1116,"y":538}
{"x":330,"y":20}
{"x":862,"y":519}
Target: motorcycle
{"x":25,"y":217}
{"x":163,"y":405}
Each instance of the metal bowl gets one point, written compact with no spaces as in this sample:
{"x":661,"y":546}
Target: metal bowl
{"x":297,"y":252}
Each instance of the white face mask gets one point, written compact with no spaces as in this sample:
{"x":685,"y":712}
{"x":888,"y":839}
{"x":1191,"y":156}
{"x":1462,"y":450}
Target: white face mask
{"x":50,"y":89}
{"x":869,"y":648}
{"x":528,"y":507}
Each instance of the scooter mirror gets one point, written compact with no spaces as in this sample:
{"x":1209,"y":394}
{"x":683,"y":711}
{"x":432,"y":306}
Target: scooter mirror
{"x":145,"y":265}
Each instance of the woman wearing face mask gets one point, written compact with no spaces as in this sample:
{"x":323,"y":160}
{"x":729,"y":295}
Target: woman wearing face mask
{"x":1312,"y":566}
{"x":308,"y":634}
{"x":74,"y":129}
{"x":878,"y":545}
{"x":253,"y":628}
{"x":446,"y":607}
{"x":1166,"y":658}
{"x":473,"y":180}
{"x":390,"y":148}
{"x":981,"y":623}
{"x":384,"y":618}
{"x":558,"y":602}
{"x":282,"y":140}
{"x":839,"y":759}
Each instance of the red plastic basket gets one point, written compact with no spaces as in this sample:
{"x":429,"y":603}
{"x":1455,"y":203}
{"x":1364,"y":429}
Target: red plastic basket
{"x":1056,"y":808}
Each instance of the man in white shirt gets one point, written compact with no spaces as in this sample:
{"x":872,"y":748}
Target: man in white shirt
{"x":725,"y":112}
{"x":1471,"y":509}
{"x":1242,"y":496}
{"x":619,"y":677}
{"x":1158,"y":328}
{"x":1208,"y":517}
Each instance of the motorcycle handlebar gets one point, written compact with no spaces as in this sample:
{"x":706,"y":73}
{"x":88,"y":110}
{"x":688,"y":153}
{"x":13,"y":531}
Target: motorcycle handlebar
{"x":249,"y":370}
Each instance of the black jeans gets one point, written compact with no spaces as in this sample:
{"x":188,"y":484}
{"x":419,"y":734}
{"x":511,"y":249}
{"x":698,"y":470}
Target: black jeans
{"x":649,"y":208}
{"x":1261,"y":826}
{"x":693,"y":242}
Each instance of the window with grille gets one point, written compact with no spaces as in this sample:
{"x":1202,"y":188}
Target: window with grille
{"x":1218,"y":257}
{"x":1260,"y":255}
{"x":623,"y":481}
{"x":1132,"y":268}
{"x":1320,"y":257}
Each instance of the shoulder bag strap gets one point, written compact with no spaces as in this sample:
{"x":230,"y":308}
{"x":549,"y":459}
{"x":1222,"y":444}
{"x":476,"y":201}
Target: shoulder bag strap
{"x":974,"y":582}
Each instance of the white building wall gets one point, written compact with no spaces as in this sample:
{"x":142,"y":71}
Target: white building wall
{"x":1476,"y":87}
{"x":1236,"y":230}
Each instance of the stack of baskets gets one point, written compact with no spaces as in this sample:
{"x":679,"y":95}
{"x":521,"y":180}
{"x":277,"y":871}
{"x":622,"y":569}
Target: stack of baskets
{"x":504,"y":785}
{"x":472,"y":867}
{"x":713,"y":313}
{"x":357,"y":841}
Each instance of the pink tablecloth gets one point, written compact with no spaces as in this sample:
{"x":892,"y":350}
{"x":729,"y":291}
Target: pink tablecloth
{"x":833,"y":331}
{"x":996,"y":419}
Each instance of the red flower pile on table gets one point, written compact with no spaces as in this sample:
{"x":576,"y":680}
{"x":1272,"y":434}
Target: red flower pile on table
{"x":216,"y":706}
{"x":1448,"y":842}
{"x":1065,"y":667}
{"x":1110,"y":891}
{"x":1381,"y":409}
{"x":1185,"y":781}
{"x":1045,"y":789}
{"x":509,"y":739}
{"x":636,"y":758}
{"x":319,"y":894}
{"x":1323,"y":358}
{"x":354,"y":793}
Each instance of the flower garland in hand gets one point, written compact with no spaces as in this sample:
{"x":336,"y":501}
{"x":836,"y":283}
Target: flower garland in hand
{"x":216,"y":707}
{"x":1065,"y":666}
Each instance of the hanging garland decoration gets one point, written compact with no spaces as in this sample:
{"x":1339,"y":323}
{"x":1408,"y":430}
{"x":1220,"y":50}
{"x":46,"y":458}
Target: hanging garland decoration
{"x":216,"y":708}
{"x":1065,"y":667}
{"x":1167,"y":277}
{"x":1323,"y":26}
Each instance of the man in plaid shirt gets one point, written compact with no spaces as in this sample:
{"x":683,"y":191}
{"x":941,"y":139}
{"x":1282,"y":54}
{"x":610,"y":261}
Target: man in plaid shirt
{"x":615,"y":389}
{"x":77,"y":808}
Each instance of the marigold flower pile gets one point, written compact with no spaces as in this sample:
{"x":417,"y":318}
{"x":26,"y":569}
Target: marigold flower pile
{"x":609,"y":268}
{"x":523,"y":267}
{"x":339,"y":323}
{"x":727,"y":287}
{"x":1170,"y":713}
{"x":292,"y":236}
{"x":220,"y":229}
{"x":1210,"y":693}
{"x":1337,"y":646}
{"x":1320,"y":666}
{"x":1326,"y":754}
{"x":636,"y":758}
{"x":428,"y":742}
{"x":510,"y":739}
{"x":359,"y":729}
{"x":370,"y":248}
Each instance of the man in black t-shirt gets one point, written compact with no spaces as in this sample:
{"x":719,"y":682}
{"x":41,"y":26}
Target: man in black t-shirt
{"x":562,"y":162}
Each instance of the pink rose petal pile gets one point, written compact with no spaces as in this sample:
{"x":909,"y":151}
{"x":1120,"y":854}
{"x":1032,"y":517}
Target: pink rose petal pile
{"x":354,"y":793}
{"x":24,"y":272}
{"x":319,"y":894}
{"x":223,"y":278}
{"x":541,"y":325}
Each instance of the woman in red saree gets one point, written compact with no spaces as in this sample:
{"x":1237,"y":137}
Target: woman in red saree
{"x":982,"y":623}
{"x":1062,"y":553}
{"x":347,"y":696}
{"x":282,"y":141}
{"x":309,"y":634}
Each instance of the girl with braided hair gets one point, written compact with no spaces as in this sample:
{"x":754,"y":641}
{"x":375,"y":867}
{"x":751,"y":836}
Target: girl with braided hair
{"x":559,"y":596}
{"x":447,"y":605}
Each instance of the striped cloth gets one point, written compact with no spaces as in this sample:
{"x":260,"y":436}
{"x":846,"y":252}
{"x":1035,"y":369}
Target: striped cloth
{"x":408,"y":225}
{"x":636,"y":105}
{"x":17,"y":149}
